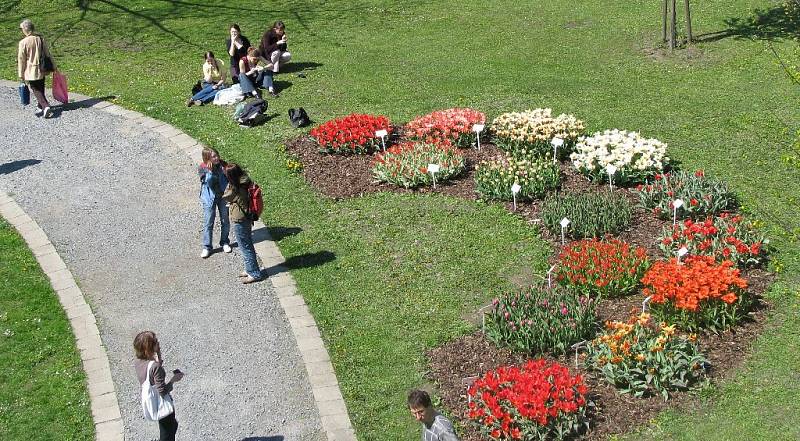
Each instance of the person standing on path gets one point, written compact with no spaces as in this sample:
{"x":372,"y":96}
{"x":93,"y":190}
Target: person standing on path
{"x":238,"y":198}
{"x":34,"y":62}
{"x":435,"y":427}
{"x":212,"y":185}
{"x":237,"y":46}
{"x":273,"y":46}
{"x":148,"y":355}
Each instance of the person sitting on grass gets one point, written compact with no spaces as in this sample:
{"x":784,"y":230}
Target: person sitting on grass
{"x":213,"y":81}
{"x":273,"y":46}
{"x":435,"y":427}
{"x":254,"y":71}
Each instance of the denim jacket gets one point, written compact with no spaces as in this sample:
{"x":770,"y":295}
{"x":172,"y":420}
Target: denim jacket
{"x":212,"y":184}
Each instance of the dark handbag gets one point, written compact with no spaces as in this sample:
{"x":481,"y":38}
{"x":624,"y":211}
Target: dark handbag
{"x":45,"y":60}
{"x":299,"y":118}
{"x":24,"y":94}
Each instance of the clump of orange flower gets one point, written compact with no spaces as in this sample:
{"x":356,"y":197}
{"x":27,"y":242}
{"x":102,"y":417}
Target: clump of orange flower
{"x":697,"y":293}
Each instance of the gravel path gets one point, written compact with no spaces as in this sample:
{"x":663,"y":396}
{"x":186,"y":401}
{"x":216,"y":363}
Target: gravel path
{"x":121,"y":207}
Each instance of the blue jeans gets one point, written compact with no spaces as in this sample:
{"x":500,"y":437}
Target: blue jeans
{"x":207,"y":94}
{"x":244,"y":237}
{"x":210,"y":212}
{"x":263,"y":79}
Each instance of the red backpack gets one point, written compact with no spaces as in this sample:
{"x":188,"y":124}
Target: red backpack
{"x":256,"y":201}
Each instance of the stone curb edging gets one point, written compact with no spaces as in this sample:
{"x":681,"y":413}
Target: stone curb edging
{"x":105,"y":407}
{"x":324,"y":385}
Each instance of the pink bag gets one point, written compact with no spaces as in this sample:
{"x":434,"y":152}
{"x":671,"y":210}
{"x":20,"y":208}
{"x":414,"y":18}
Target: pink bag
{"x":60,"y":87}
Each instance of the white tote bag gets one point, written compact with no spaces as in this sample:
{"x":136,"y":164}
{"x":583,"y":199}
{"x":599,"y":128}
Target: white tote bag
{"x":154,"y":405}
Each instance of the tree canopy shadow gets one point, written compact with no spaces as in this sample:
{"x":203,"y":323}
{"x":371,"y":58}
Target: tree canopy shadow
{"x":11,"y":167}
{"x":775,"y":23}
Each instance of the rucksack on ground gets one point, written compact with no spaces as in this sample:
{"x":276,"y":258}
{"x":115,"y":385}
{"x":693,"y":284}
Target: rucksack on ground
{"x":255,"y":202}
{"x":252,"y":113}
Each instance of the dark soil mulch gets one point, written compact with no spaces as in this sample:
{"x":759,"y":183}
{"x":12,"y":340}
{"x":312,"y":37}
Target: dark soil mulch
{"x":456,"y":364}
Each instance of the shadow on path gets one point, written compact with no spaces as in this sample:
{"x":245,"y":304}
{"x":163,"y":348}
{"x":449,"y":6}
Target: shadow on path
{"x":11,"y":167}
{"x":264,"y":438}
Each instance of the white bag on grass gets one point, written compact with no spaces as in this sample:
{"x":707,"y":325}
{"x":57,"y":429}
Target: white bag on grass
{"x":228,"y":96}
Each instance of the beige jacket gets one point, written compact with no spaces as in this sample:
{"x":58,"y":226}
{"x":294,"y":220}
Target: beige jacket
{"x":28,"y":56}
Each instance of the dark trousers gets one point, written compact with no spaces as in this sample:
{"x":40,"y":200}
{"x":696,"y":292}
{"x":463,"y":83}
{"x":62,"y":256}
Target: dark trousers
{"x":37,"y":87}
{"x":167,"y":427}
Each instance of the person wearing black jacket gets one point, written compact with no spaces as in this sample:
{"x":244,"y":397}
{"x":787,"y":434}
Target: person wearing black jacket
{"x":273,"y":46}
{"x":236,"y":46}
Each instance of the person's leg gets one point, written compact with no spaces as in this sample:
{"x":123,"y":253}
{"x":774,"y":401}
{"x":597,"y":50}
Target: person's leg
{"x":285,"y":57}
{"x":275,"y":59}
{"x":204,"y":93}
{"x":235,"y":72}
{"x":209,"y":213}
{"x":225,"y":223}
{"x":266,"y":81}
{"x":37,"y":87}
{"x":246,"y":84}
{"x":167,"y":428}
{"x":244,"y":236}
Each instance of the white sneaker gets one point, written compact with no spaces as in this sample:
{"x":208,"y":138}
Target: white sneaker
{"x":227,"y":248}
{"x":47,"y":112}
{"x":205,"y":253}
{"x":39,"y":112}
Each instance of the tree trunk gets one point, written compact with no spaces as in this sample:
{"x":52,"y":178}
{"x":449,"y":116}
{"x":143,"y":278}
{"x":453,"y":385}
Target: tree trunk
{"x":688,"y":23}
{"x":673,"y":30}
{"x":664,"y":21}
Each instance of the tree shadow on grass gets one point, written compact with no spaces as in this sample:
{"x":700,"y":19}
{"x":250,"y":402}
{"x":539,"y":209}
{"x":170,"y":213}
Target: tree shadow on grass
{"x":11,"y":167}
{"x":775,"y":23}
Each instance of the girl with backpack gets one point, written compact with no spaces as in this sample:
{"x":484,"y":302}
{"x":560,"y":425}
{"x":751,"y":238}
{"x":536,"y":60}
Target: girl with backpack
{"x":150,"y":372}
{"x":237,"y":194}
{"x":212,"y":184}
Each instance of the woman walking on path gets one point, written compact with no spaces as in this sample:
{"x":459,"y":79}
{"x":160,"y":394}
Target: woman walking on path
{"x":34,"y":62}
{"x":149,"y":367}
{"x":238,"y":197}
{"x":237,"y":46}
{"x":253,"y":72}
{"x":273,"y":46}
{"x":212,"y":185}
{"x":213,"y":81}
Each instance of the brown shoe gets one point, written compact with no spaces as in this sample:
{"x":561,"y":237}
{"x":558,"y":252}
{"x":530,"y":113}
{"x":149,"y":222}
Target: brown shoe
{"x":249,"y":279}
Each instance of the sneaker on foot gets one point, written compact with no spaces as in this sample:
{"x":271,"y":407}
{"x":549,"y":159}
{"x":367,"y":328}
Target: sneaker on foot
{"x":226,"y":248}
{"x":189,"y":103}
{"x":244,"y":274}
{"x":198,"y":103}
{"x":205,"y":253}
{"x":274,"y":94}
{"x":47,"y":112}
{"x":39,"y":112}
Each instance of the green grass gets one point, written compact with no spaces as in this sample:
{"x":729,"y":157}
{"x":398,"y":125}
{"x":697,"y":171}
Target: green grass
{"x":42,"y":384}
{"x":388,"y":276}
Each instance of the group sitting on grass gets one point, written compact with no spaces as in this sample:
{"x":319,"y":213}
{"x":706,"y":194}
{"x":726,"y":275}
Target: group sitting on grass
{"x":251,"y":67}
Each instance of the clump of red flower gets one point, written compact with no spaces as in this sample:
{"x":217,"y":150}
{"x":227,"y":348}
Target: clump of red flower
{"x":726,"y":237}
{"x":350,"y":134}
{"x":446,"y":127}
{"x":597,"y":268}
{"x":539,"y":397}
{"x":698,"y":293}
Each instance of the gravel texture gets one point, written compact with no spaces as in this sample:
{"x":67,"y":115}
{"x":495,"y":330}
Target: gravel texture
{"x":121,"y":206}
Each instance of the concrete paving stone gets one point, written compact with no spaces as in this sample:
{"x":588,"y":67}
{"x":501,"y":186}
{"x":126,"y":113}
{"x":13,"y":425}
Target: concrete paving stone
{"x":327,"y":393}
{"x":282,"y":280}
{"x":324,"y":380}
{"x":5,"y":198}
{"x":102,"y":414}
{"x":96,"y":364}
{"x":319,"y":368}
{"x":70,"y":297}
{"x":99,"y":377}
{"x":151,"y":122}
{"x":312,"y":355}
{"x":272,"y":262}
{"x":60,"y":275}
{"x":113,"y":109}
{"x":306,"y":332}
{"x":183,"y":141}
{"x":332,"y":407}
{"x":27,"y":227}
{"x":79,"y":311}
{"x":44,"y":249}
{"x":297,"y":311}
{"x":335,"y":422}
{"x":341,"y":435}
{"x":36,"y":238}
{"x":85,"y":321}
{"x":51,"y":262}
{"x":285,"y":291}
{"x":108,"y":430}
{"x":91,"y":347}
{"x":105,"y":400}
{"x":290,"y":301}
{"x":302,"y":322}
{"x":168,"y":131}
{"x":310,"y":343}
{"x":20,"y":221}
{"x":9,"y":83}
{"x":11,"y":210}
{"x":100,"y":387}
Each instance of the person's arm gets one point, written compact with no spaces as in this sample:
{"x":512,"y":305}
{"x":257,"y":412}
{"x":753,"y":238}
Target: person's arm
{"x":207,"y":70}
{"x":241,"y":68}
{"x":159,"y":377}
{"x":231,"y":47}
{"x":22,"y":60}
{"x":222,"y":74}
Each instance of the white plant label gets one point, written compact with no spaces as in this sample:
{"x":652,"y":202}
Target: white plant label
{"x":478,"y":128}
{"x":557,"y":142}
{"x":611,"y":169}
{"x":677,"y":203}
{"x":550,"y":277}
{"x":564,"y":223}
{"x":682,"y":252}
{"x":514,"y":190}
{"x":382,"y":135}
{"x":433,"y":169}
{"x":645,"y":302}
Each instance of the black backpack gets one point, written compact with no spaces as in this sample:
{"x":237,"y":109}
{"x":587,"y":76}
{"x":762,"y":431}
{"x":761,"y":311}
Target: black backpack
{"x":299,"y":118}
{"x":252,"y":113}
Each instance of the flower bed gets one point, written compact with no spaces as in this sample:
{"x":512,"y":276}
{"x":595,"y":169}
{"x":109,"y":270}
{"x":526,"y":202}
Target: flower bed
{"x":452,"y":127}
{"x":727,"y":237}
{"x":534,"y":130}
{"x":702,"y":196}
{"x":639,"y":358}
{"x":535,"y":176}
{"x":539,"y":321}
{"x":601,"y":268}
{"x":635,"y":158}
{"x":697,"y":293}
{"x":351,"y":134}
{"x":590,"y":214}
{"x":406,"y":164}
{"x":540,"y":400}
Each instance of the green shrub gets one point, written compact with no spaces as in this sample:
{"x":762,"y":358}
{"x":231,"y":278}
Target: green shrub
{"x":541,"y":321}
{"x":590,"y":214}
{"x":535,"y":176}
{"x":701,"y":195}
{"x":406,"y":164}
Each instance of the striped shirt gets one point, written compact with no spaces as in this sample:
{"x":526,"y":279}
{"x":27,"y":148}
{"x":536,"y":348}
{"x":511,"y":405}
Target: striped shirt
{"x":440,"y":430}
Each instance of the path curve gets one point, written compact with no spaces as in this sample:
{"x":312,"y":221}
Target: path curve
{"x":116,"y":195}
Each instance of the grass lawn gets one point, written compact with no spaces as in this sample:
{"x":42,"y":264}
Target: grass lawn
{"x":42,"y":384}
{"x":387,"y":276}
